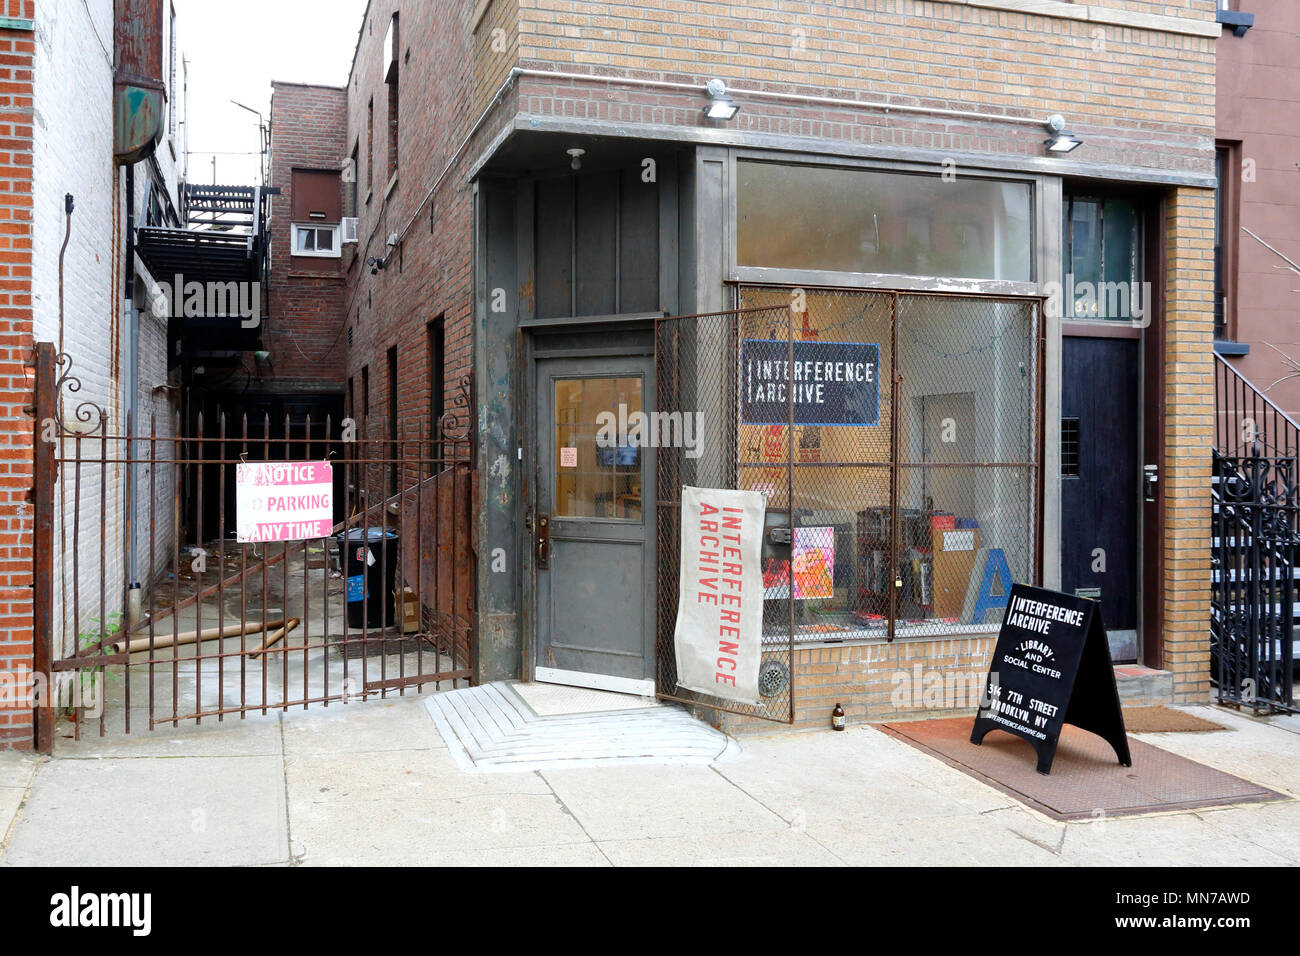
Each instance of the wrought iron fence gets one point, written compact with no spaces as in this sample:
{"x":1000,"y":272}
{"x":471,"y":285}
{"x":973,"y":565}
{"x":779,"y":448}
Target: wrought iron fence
{"x":1254,"y":595}
{"x":375,"y":599}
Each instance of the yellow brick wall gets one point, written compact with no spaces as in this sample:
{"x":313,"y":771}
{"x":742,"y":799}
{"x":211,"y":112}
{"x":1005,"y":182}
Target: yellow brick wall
{"x":1189,"y":435}
{"x":953,"y":54}
{"x":1140,"y":97}
{"x":881,"y":681}
{"x":496,"y":48}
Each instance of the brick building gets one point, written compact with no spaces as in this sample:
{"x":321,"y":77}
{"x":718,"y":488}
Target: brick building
{"x":1013,"y":200}
{"x":76,"y":184}
{"x":305,"y":297}
{"x":19,"y":48}
{"x":1257,"y":150}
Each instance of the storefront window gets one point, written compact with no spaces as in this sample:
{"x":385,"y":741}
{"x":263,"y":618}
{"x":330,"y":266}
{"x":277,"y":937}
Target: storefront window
{"x":829,"y":218}
{"x":958,"y":436}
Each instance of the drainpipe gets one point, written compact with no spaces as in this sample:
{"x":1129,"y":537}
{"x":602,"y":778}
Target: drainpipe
{"x":132,"y":379}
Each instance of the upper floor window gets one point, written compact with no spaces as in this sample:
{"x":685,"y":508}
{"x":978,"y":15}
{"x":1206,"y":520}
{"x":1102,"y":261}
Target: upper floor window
{"x":1226,"y":198}
{"x":310,"y":239}
{"x":392,"y":72}
{"x":350,"y":207}
{"x":370,"y":146}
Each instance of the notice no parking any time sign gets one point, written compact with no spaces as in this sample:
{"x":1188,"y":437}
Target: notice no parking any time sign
{"x":283,"y":500}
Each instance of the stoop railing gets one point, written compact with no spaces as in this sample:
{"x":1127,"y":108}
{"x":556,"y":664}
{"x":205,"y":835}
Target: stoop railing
{"x":1254,"y":546}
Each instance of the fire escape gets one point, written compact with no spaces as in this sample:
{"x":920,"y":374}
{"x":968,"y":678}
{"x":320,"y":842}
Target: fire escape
{"x":216,"y":265}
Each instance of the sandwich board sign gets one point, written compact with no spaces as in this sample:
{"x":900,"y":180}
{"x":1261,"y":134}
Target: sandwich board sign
{"x":1051,"y":667}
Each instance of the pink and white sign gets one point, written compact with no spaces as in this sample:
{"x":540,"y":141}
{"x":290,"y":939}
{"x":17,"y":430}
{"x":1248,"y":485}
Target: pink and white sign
{"x":283,"y":500}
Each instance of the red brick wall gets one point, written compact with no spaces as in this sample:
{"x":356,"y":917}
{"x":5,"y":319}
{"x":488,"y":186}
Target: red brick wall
{"x":17,"y":50}
{"x":429,"y":275}
{"x":303,"y":331}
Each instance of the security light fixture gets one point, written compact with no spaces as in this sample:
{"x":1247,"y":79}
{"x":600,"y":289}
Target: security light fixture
{"x":376,"y":264}
{"x":721,"y":106}
{"x":575,"y":160}
{"x":1061,"y":140}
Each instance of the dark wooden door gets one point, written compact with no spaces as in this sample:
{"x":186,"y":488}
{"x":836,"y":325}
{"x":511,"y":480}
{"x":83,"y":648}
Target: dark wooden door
{"x":1101,"y":419}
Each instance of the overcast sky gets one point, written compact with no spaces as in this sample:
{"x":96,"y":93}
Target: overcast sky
{"x":235,"y":48}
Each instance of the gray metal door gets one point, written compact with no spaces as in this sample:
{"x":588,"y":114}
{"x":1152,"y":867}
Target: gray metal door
{"x":593,"y":536}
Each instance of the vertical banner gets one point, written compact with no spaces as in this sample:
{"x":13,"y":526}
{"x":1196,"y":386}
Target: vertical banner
{"x":719,"y":636}
{"x":283,"y":500}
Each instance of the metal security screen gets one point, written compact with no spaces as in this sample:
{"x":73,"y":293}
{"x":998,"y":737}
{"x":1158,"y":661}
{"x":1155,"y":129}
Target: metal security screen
{"x":897,"y":440}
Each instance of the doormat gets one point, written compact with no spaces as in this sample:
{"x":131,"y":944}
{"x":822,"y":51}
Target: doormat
{"x":1086,"y":781}
{"x":1165,"y":720}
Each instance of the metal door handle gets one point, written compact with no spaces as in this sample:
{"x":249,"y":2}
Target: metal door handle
{"x":543,"y":541}
{"x":1150,"y":478}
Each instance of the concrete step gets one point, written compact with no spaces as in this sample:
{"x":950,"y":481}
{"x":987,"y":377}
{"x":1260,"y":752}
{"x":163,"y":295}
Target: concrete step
{"x":492,"y":728}
{"x":1144,"y":686}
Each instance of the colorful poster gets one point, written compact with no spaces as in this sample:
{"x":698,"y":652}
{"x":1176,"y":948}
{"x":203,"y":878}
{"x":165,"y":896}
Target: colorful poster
{"x":719,"y":635}
{"x":283,"y":500}
{"x":813,"y":556}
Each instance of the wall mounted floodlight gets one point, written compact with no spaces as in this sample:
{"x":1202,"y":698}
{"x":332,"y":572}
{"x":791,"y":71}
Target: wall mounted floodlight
{"x":1061,"y":140}
{"x":721,"y":106}
{"x":376,"y":264}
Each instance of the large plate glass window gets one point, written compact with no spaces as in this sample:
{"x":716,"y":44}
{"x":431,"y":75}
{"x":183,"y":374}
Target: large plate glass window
{"x":849,"y":219}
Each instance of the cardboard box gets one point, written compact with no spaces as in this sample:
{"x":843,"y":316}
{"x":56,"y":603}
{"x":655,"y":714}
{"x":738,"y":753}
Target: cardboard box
{"x":954,"y":562}
{"x":408,"y":605}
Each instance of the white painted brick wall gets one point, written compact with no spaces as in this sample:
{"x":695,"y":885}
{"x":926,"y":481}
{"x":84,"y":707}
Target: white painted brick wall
{"x":73,"y":146}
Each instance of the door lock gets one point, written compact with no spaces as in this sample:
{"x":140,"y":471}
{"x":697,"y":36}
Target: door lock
{"x":543,"y":541}
{"x":1150,"y":477}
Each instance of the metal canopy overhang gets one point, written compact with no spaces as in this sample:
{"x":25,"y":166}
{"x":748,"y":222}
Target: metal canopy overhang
{"x":533,"y":153}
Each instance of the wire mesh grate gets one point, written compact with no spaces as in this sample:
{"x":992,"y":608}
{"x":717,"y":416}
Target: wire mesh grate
{"x":896,"y":434}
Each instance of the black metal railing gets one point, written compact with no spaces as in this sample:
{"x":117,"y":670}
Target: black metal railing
{"x":1253,"y":595}
{"x":1245,"y":417}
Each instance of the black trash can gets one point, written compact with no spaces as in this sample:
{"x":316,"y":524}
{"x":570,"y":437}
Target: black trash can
{"x":369,"y":570}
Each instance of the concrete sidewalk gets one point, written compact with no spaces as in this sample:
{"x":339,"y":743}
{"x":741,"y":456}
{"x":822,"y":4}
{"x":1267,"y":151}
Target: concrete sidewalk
{"x":374,"y":783}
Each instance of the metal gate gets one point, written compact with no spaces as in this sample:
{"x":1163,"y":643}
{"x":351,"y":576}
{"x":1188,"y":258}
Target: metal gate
{"x":1254,"y":595}
{"x":212,"y":628}
{"x":877,"y":514}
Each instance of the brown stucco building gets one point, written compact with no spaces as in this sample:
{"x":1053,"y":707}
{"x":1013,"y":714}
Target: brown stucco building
{"x":1257,"y":89}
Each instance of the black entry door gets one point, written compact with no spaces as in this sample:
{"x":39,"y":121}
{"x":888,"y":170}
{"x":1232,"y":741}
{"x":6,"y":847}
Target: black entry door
{"x":1101,"y":418}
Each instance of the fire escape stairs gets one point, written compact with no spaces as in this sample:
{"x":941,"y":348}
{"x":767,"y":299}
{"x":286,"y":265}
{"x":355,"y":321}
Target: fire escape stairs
{"x":224,"y":240}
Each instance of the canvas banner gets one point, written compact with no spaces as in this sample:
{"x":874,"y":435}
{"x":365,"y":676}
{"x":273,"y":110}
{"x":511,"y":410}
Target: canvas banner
{"x":719,"y":637}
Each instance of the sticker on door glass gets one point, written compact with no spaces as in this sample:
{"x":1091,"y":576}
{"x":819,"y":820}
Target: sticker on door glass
{"x":568,"y":457}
